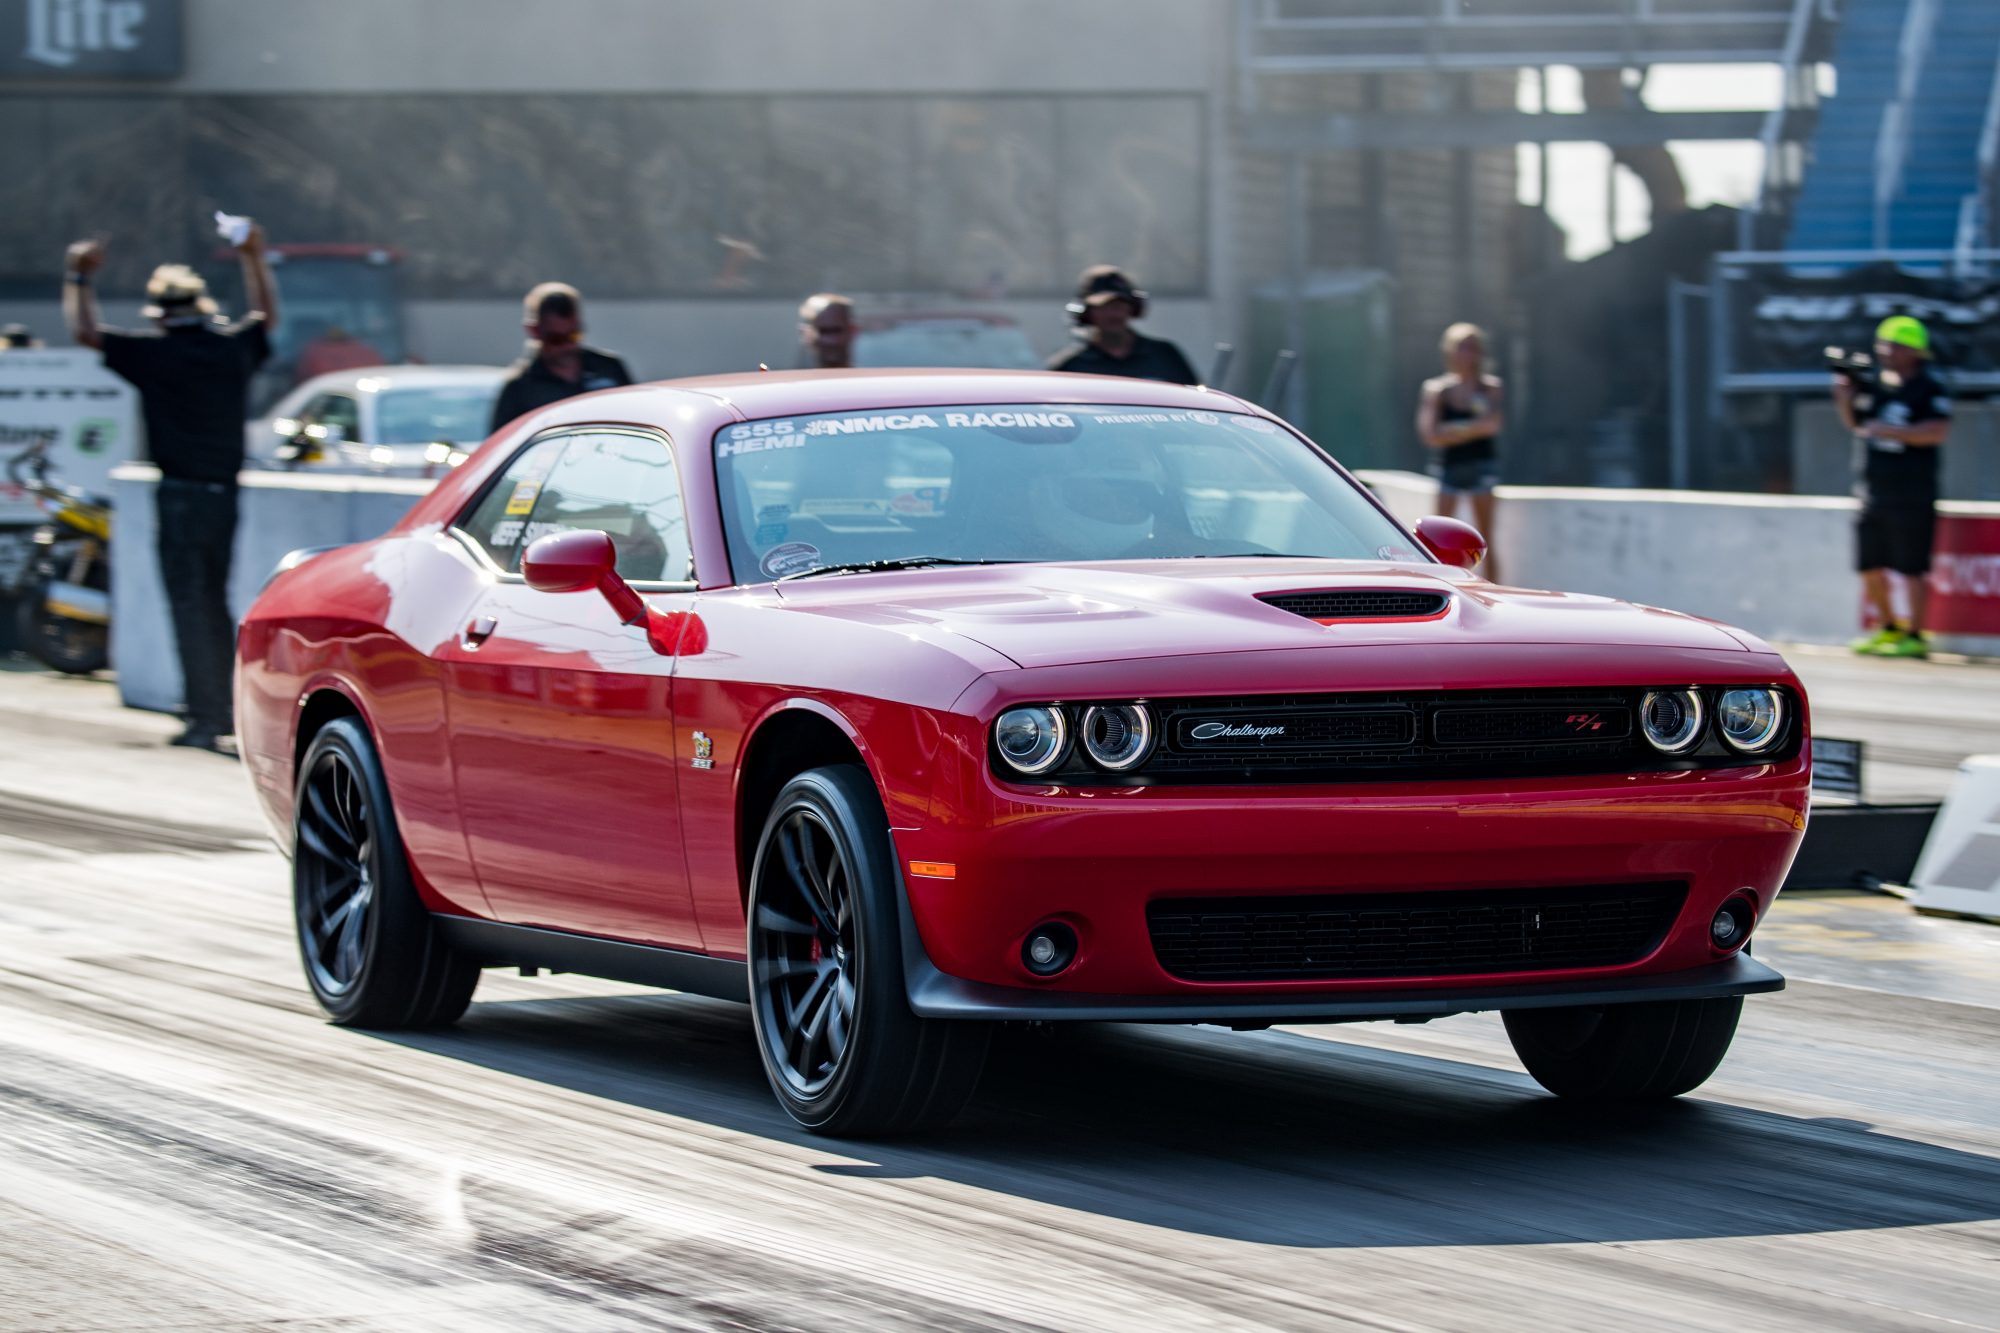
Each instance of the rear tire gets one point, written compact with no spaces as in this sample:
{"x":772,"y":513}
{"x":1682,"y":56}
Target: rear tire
{"x":1624,"y":1052}
{"x":373,"y":954}
{"x":841,"y":1048}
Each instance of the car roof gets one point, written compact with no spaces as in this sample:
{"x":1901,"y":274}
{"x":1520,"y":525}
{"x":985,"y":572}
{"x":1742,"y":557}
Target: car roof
{"x":376,"y":379}
{"x":795,"y":392}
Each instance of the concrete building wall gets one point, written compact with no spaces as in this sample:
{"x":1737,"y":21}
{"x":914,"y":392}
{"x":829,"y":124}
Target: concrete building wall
{"x":694,"y":46}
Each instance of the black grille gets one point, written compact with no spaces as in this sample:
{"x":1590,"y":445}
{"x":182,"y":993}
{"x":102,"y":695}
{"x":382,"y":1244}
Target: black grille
{"x":1357,"y":603}
{"x":1529,"y":726}
{"x":1404,"y":735}
{"x":1438,"y":933}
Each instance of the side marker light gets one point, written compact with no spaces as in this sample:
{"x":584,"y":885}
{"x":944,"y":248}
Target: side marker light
{"x":934,"y":869}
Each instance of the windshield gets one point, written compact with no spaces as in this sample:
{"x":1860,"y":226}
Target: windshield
{"x":1056,"y":482}
{"x":455,"y":414}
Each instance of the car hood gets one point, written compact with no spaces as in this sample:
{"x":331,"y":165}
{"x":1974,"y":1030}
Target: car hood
{"x":1064,"y":615}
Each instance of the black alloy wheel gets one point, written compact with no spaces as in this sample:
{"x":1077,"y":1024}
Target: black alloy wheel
{"x":373,"y":954}
{"x":806,"y":960}
{"x":335,"y":874}
{"x":843,"y":1053}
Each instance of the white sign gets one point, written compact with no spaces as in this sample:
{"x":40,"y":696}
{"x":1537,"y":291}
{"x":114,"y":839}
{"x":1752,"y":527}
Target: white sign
{"x":1959,"y":871}
{"x":89,"y":416}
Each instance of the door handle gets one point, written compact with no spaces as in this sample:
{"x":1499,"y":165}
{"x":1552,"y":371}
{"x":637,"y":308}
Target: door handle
{"x":479,"y":631}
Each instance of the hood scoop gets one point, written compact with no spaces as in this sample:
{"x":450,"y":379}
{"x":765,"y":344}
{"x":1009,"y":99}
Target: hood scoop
{"x":1339,"y":604}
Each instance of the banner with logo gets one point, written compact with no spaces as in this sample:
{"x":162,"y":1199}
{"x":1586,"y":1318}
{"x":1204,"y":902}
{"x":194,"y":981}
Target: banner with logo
{"x":90,"y":39}
{"x":1782,"y":322}
{"x":1965,"y":571}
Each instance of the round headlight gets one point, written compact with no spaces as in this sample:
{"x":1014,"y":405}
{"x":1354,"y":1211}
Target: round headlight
{"x":1671,"y":720}
{"x":1751,"y":720}
{"x":1117,"y":736}
{"x":1032,"y":739}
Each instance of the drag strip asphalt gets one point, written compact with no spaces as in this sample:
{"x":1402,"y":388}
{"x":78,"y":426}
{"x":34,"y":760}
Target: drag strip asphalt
{"x":186,"y":1143}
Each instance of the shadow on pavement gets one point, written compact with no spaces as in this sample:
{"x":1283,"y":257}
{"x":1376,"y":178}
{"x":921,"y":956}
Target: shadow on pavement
{"x":1276,"y":1138}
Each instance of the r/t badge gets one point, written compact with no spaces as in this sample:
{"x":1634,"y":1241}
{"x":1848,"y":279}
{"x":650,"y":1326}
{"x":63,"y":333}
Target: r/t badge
{"x":704,"y":750}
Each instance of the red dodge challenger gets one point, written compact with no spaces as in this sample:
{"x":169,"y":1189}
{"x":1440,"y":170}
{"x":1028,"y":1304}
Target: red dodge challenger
{"x":901,"y":703}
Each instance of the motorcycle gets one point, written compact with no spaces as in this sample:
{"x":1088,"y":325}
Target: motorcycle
{"x":63,"y":602}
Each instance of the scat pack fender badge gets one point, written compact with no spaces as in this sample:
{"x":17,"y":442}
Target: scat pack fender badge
{"x":704,"y":750}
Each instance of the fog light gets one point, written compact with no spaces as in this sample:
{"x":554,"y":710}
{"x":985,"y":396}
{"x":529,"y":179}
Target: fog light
{"x":1049,"y":949}
{"x":1731,"y":925}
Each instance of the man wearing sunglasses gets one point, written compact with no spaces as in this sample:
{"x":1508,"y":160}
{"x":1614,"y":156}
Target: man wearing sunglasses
{"x":556,"y":365}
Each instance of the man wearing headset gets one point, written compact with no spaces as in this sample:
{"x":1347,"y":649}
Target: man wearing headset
{"x":1900,"y":422}
{"x":1107,"y":301}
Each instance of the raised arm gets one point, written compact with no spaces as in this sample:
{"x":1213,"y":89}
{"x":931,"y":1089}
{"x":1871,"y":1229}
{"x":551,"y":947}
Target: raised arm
{"x":260,"y":289}
{"x":80,"y":264}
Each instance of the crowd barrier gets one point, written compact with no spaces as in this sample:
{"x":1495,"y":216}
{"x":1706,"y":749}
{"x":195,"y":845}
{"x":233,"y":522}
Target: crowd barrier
{"x":278,"y":512}
{"x":1778,"y":565}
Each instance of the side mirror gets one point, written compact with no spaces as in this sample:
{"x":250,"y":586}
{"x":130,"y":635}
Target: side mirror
{"x":579,"y":561}
{"x":1451,"y":541}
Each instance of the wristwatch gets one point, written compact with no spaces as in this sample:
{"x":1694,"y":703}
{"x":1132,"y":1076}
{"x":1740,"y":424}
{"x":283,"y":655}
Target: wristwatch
{"x":80,"y":279}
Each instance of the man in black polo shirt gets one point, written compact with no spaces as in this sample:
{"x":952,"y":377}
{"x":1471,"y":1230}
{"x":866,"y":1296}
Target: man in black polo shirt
{"x":556,"y":365}
{"x":1107,"y":301}
{"x":193,"y":373}
{"x":1899,"y":423}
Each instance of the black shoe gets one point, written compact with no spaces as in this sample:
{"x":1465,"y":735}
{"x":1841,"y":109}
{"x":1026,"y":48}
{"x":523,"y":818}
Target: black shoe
{"x":198,"y":737}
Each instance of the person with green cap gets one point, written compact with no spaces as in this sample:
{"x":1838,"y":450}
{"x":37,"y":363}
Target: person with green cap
{"x":1899,"y":421}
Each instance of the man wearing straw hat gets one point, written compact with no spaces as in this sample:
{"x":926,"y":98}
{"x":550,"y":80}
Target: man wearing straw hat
{"x":192,"y":371}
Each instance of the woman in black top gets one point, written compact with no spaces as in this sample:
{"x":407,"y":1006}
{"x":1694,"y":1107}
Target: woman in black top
{"x":1459,"y":419}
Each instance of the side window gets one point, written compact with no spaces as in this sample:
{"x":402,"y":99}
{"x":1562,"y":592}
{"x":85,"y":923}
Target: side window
{"x":623,"y":485}
{"x":337,"y":410}
{"x":499,"y":522}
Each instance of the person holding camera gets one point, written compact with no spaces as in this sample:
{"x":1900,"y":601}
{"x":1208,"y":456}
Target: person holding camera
{"x":1900,"y":416}
{"x":1107,"y":301}
{"x":192,"y":370}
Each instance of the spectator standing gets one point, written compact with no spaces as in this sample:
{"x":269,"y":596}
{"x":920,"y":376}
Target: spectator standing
{"x":826,"y":329}
{"x":193,"y":372}
{"x":1459,"y":418}
{"x":1107,"y":302}
{"x":1899,"y":423}
{"x":556,"y":364}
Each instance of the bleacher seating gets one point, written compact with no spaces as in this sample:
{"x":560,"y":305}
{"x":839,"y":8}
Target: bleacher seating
{"x":1835,"y":208}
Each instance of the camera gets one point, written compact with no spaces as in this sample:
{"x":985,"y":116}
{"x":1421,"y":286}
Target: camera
{"x":1858,"y":368}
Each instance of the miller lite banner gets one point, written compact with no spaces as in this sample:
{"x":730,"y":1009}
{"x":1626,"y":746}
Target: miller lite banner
{"x":90,"y":39}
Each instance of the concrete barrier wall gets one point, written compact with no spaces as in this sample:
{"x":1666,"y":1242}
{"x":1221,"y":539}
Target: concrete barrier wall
{"x":279,"y":512}
{"x":1778,"y":565}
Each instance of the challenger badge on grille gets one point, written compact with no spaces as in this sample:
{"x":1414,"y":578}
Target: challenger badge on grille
{"x":1301,"y":730}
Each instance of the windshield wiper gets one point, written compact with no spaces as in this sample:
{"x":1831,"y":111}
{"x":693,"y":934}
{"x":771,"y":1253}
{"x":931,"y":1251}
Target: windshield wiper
{"x":877,"y":566}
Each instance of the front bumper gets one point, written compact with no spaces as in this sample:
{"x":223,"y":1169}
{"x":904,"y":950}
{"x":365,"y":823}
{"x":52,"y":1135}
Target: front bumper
{"x":1095,"y":859}
{"x":935,"y":995}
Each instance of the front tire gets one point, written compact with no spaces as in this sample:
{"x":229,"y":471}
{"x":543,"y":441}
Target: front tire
{"x":373,"y":955}
{"x":1624,"y":1052}
{"x":841,"y":1048}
